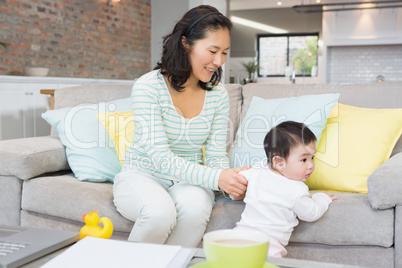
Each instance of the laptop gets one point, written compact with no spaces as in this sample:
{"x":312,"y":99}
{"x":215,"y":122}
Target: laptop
{"x":19,"y":245}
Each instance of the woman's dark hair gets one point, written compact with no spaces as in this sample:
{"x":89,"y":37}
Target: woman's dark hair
{"x":282,"y":138}
{"x":175,"y":62}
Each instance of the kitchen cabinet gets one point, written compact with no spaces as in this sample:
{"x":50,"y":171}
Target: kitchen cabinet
{"x":21,"y":106}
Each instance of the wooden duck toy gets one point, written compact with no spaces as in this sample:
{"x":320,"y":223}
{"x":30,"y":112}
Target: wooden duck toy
{"x":91,"y":228}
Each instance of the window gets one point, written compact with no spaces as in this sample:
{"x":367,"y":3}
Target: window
{"x":281,"y":54}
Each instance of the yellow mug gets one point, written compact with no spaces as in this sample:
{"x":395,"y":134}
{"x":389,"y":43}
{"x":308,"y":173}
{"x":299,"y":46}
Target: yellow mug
{"x":236,"y":248}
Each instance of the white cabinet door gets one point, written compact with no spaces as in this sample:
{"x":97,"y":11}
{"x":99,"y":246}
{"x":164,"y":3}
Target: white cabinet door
{"x":12,"y":103}
{"x":36,"y":104}
{"x":21,"y":107}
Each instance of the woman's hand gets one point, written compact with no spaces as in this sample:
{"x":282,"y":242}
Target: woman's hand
{"x":233,"y":183}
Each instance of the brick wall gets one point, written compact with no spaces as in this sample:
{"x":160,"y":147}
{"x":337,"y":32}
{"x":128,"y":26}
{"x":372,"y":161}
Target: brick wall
{"x":361,"y":64}
{"x":76,"y":38}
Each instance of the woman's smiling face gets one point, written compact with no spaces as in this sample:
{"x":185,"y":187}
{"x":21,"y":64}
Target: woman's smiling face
{"x":208,"y":54}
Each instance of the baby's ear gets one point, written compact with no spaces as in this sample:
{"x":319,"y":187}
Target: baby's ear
{"x":278,"y":162}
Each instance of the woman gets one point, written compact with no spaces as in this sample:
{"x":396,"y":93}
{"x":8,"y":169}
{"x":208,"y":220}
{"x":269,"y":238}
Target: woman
{"x":179,"y":108}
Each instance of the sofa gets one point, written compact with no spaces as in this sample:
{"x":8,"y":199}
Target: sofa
{"x":37,"y":187}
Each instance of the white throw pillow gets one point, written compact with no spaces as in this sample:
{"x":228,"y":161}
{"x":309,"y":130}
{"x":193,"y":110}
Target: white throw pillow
{"x":90,"y":151}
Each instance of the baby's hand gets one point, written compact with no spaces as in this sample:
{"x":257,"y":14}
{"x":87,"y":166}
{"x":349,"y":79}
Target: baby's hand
{"x":332,"y":196}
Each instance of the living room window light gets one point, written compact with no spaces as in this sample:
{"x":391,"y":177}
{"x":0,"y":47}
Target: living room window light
{"x":282,"y":54}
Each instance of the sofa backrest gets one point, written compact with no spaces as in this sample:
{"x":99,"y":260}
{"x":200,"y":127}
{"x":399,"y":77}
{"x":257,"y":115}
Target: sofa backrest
{"x":93,"y":93}
{"x":235,"y":93}
{"x":371,"y":95}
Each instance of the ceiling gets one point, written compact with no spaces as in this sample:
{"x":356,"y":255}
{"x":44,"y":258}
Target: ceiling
{"x":258,"y":4}
{"x":261,"y":4}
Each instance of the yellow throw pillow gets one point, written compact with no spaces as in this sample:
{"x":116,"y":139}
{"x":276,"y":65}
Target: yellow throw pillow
{"x":120,"y":127}
{"x":354,"y":143}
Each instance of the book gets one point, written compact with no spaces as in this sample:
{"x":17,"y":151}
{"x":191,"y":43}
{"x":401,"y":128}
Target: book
{"x":98,"y":252}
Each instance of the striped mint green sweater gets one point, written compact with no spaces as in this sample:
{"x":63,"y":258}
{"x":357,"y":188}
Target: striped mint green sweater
{"x":170,"y":146}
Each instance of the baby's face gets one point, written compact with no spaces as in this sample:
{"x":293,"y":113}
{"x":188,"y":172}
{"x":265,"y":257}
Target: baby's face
{"x":300,"y":163}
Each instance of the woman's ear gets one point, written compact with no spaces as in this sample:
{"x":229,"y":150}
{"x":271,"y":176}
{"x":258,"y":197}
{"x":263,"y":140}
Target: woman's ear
{"x":279,"y":163}
{"x":184,"y":43}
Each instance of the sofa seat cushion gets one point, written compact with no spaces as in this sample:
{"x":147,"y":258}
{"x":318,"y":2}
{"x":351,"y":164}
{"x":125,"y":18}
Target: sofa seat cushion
{"x":350,"y":220}
{"x":358,"y":256}
{"x":66,"y":197}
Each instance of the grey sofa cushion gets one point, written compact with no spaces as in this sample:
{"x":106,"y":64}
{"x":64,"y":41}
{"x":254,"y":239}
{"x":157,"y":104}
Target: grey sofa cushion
{"x":385,"y":184}
{"x":350,"y":220}
{"x":225,"y":214}
{"x":371,"y":95}
{"x":66,"y":197}
{"x":235,"y":101}
{"x":94,"y":93}
{"x":360,"y":256}
{"x":10,"y":200}
{"x":30,"y":157}
{"x":38,"y":220}
{"x":398,"y":236}
{"x":89,"y":94}
{"x":398,"y":147}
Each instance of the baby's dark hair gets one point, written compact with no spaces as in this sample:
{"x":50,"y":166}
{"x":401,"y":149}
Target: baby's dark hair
{"x":282,"y":138}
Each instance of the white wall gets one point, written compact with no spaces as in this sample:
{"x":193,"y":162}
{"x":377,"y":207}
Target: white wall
{"x":363,"y":27}
{"x":221,"y":5}
{"x":164,"y":15}
{"x":362,"y":64}
{"x":359,"y":45}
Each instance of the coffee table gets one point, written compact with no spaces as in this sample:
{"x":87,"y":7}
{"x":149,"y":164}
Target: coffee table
{"x":283,"y":263}
{"x":200,"y":257}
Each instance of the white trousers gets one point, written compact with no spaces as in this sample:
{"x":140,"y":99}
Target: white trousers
{"x":164,"y":211}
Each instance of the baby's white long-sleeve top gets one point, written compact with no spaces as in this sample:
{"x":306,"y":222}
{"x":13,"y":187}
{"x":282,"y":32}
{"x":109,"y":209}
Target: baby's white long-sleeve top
{"x":274,"y":202}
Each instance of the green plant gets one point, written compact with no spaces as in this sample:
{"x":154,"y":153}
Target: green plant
{"x":251,"y":67}
{"x":304,"y":59}
{"x":3,"y":44}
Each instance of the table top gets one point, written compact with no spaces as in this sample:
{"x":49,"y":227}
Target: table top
{"x":41,"y":261}
{"x":200,"y":257}
{"x":281,"y":262}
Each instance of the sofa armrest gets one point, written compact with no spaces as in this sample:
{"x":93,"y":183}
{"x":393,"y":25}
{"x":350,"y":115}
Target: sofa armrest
{"x":385,"y":184}
{"x":29,"y":157}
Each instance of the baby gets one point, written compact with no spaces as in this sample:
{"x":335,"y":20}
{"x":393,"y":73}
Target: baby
{"x":276,"y":194}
